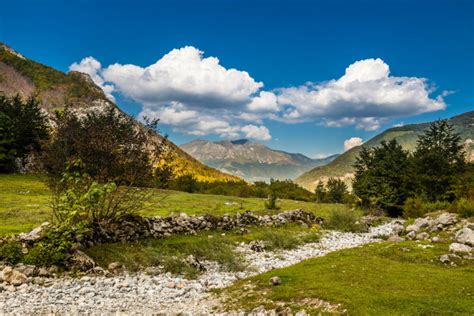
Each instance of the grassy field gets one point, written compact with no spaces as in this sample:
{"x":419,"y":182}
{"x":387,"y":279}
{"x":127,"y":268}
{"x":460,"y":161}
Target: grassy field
{"x":377,"y":279}
{"x":24,"y":203}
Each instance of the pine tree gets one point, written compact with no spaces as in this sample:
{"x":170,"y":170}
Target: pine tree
{"x":438,"y":159}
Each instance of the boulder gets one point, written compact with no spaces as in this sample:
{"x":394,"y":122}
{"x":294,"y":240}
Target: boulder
{"x":444,"y":258}
{"x":459,"y":248}
{"x":436,"y":239}
{"x":13,"y":277}
{"x":446,"y":219}
{"x":275,"y":280}
{"x":33,"y":235}
{"x":411,"y":235}
{"x":418,"y":224}
{"x":465,"y":236}
{"x":81,"y":262}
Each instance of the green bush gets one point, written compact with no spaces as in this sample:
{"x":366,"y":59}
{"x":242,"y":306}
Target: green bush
{"x":465,"y":208}
{"x":413,"y":208}
{"x":77,"y":198}
{"x":11,"y":252}
{"x":344,"y":220}
{"x":270,"y":203}
{"x":54,"y":248}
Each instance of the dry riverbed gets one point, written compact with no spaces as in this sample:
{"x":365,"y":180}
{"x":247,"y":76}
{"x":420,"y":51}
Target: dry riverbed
{"x":142,"y":293}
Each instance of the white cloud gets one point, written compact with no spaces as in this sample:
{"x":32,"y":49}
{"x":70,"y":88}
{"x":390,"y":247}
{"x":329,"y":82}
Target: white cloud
{"x":199,"y":96}
{"x":352,"y":142}
{"x":365,"y":94}
{"x":184,"y":75}
{"x":256,"y":132}
{"x":93,"y":68}
{"x":265,"y":102}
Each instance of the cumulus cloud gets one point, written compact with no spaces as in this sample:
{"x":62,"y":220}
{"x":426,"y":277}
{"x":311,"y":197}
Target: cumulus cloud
{"x":197,"y":95}
{"x":352,"y":142}
{"x":185,"y":76}
{"x":256,"y":132}
{"x":265,"y":102}
{"x":363,"y":96}
{"x":93,"y":68}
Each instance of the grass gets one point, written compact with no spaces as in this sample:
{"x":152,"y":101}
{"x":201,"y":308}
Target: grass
{"x":377,"y":279}
{"x":24,"y":204}
{"x":210,"y":245}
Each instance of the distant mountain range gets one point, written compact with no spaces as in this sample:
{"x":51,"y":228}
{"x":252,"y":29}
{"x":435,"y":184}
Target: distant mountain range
{"x":54,"y":89}
{"x":406,"y":135}
{"x":251,"y":160}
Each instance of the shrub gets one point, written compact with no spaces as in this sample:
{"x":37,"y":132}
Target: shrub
{"x":78,"y":198}
{"x":277,"y":239}
{"x":465,"y":208}
{"x":10,"y":252}
{"x":270,"y":203}
{"x":344,"y":220}
{"x":413,"y":208}
{"x":54,"y":248}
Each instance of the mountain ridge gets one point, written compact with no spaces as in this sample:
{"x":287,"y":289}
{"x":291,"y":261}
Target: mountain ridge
{"x":406,"y":135}
{"x":251,"y":160}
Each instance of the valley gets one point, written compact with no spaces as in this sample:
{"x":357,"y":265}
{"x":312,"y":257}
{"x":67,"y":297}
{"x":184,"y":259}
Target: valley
{"x":258,"y":158}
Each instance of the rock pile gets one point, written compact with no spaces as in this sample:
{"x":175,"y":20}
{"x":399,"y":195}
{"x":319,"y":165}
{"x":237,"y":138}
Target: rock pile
{"x":428,"y":228}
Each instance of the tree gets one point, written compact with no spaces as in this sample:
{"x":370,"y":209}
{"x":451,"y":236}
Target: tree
{"x":23,"y":129}
{"x":320,"y":192}
{"x":438,"y":159}
{"x":382,"y":177}
{"x":111,"y":146}
{"x":336,"y":191}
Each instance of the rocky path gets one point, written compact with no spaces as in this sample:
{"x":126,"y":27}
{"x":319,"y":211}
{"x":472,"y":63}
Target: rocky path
{"x":164,"y":293}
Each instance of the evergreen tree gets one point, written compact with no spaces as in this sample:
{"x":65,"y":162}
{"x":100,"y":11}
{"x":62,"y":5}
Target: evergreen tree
{"x":438,"y":159}
{"x":382,"y":177}
{"x":23,"y":128}
{"x":320,"y":192}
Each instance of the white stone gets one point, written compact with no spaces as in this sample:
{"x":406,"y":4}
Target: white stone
{"x":465,"y":236}
{"x":459,"y":248}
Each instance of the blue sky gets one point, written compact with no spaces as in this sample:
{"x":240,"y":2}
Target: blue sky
{"x":275,"y":47}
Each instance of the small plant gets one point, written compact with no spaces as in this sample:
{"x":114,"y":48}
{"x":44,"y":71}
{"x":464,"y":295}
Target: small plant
{"x":344,"y":220}
{"x":270,"y":203}
{"x":276,"y":239}
{"x":413,"y":208}
{"x":10,"y":252}
{"x":54,"y":248}
{"x":465,"y":208}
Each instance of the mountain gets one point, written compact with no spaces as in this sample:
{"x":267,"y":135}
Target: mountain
{"x":406,"y":135}
{"x":54,"y":89}
{"x":251,"y":160}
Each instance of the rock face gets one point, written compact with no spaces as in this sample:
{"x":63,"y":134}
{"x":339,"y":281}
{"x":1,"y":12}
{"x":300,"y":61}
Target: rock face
{"x":13,"y":277}
{"x":465,"y":236}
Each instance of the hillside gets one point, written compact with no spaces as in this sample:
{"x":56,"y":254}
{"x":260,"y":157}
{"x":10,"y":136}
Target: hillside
{"x":407,"y":136}
{"x":251,"y":160}
{"x":55,"y":89}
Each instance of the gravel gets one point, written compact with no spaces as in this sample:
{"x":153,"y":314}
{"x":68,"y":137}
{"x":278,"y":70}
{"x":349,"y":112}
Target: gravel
{"x":163,"y":293}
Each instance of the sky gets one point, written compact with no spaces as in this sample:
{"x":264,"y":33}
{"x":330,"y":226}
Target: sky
{"x":314,"y":77}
